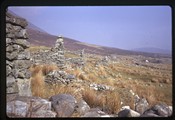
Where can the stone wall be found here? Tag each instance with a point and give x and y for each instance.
(17, 57)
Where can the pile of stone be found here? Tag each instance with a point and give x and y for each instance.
(104, 61)
(17, 57)
(40, 57)
(58, 53)
(76, 62)
(57, 77)
(100, 87)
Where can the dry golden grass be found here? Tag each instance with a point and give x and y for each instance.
(38, 85)
(109, 101)
(92, 77)
(48, 68)
(45, 69)
(144, 82)
(92, 99)
(113, 102)
(36, 48)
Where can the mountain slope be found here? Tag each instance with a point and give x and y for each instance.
(152, 50)
(38, 37)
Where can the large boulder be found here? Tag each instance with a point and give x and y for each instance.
(23, 106)
(63, 104)
(127, 112)
(16, 109)
(162, 110)
(82, 107)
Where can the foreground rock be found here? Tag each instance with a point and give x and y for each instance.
(63, 104)
(159, 110)
(95, 112)
(82, 107)
(127, 112)
(23, 106)
(141, 105)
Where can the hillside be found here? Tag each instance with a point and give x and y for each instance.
(38, 37)
(152, 50)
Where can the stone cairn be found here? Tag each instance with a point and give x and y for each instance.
(58, 53)
(17, 57)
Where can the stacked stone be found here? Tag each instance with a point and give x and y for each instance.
(57, 77)
(58, 53)
(17, 57)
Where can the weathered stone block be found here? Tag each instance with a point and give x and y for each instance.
(24, 86)
(22, 42)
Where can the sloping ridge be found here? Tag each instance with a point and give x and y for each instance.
(38, 37)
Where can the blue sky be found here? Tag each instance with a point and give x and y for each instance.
(125, 27)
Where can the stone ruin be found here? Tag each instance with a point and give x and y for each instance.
(77, 62)
(17, 57)
(58, 55)
(53, 56)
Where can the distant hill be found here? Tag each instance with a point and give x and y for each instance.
(152, 50)
(30, 25)
(38, 37)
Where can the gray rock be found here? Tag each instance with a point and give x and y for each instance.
(149, 115)
(36, 107)
(8, 70)
(21, 34)
(11, 56)
(63, 104)
(91, 114)
(11, 85)
(10, 35)
(22, 42)
(95, 112)
(24, 87)
(43, 114)
(162, 110)
(16, 108)
(21, 75)
(15, 20)
(70, 76)
(82, 107)
(127, 112)
(22, 64)
(9, 48)
(17, 48)
(124, 113)
(8, 41)
(141, 106)
(24, 55)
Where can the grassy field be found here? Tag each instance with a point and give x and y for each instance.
(152, 81)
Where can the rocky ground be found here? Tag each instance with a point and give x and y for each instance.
(96, 86)
(55, 82)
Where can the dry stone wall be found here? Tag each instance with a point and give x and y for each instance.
(53, 56)
(17, 57)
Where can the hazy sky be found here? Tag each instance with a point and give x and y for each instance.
(125, 27)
